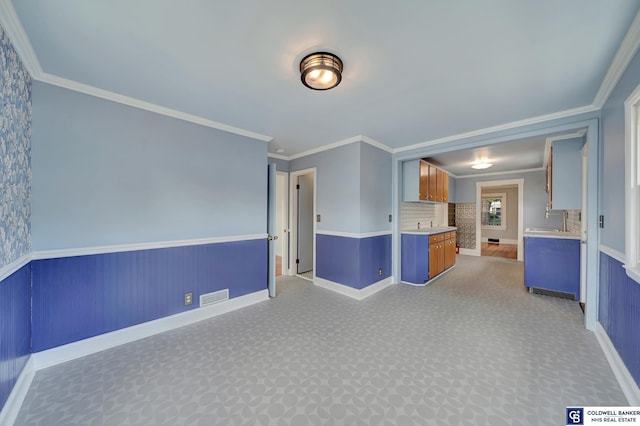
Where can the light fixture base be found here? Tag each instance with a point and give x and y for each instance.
(321, 71)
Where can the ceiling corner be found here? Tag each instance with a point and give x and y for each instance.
(621, 60)
(19, 38)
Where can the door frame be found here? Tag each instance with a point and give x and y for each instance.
(479, 185)
(284, 230)
(293, 217)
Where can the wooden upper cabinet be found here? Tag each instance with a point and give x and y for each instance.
(445, 187)
(433, 183)
(422, 181)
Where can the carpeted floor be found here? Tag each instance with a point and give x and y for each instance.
(472, 348)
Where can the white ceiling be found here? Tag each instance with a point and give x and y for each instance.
(413, 71)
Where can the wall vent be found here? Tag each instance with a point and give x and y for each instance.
(213, 298)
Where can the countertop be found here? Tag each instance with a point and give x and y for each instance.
(550, 233)
(429, 230)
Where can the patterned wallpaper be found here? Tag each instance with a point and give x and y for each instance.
(466, 223)
(15, 154)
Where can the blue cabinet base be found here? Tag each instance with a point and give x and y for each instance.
(552, 266)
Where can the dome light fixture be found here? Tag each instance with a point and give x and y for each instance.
(481, 164)
(321, 71)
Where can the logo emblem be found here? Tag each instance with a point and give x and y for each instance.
(574, 416)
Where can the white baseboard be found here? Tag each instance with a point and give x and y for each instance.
(625, 379)
(115, 338)
(354, 293)
(469, 252)
(13, 404)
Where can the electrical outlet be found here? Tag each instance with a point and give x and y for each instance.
(188, 299)
(390, 217)
(379, 272)
(317, 218)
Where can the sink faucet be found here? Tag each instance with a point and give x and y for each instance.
(565, 216)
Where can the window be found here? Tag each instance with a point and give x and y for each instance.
(632, 185)
(494, 211)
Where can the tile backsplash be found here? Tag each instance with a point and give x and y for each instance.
(425, 213)
(574, 222)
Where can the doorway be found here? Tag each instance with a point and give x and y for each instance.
(303, 202)
(282, 220)
(499, 218)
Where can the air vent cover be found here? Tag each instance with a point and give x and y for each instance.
(213, 298)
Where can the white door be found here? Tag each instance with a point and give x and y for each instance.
(271, 229)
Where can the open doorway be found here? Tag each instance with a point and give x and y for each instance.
(499, 218)
(303, 201)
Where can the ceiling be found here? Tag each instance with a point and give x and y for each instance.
(414, 72)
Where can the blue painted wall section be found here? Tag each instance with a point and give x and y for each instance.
(79, 297)
(415, 258)
(552, 264)
(619, 312)
(353, 262)
(15, 328)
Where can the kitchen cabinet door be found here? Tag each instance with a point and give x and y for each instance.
(450, 252)
(433, 183)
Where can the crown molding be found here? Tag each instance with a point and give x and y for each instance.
(147, 106)
(19, 38)
(510, 172)
(278, 156)
(357, 138)
(501, 127)
(621, 60)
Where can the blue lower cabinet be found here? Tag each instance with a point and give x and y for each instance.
(552, 264)
(415, 258)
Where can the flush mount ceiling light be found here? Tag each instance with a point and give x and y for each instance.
(481, 164)
(321, 71)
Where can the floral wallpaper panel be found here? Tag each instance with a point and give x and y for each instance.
(15, 154)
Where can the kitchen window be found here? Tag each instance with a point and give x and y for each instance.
(494, 211)
(632, 185)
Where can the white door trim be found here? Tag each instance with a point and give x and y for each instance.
(293, 216)
(479, 186)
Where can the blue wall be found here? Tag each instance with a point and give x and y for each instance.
(619, 304)
(353, 262)
(15, 216)
(105, 173)
(79, 297)
(337, 185)
(534, 198)
(619, 312)
(15, 328)
(375, 189)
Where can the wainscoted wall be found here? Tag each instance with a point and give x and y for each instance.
(466, 223)
(15, 216)
(353, 262)
(619, 312)
(15, 328)
(79, 297)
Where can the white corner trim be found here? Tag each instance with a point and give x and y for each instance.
(501, 127)
(115, 338)
(84, 251)
(353, 292)
(7, 270)
(620, 62)
(617, 255)
(353, 234)
(626, 381)
(278, 156)
(376, 144)
(14, 402)
(147, 106)
(357, 138)
(19, 38)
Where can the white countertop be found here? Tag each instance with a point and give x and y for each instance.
(550, 233)
(429, 230)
